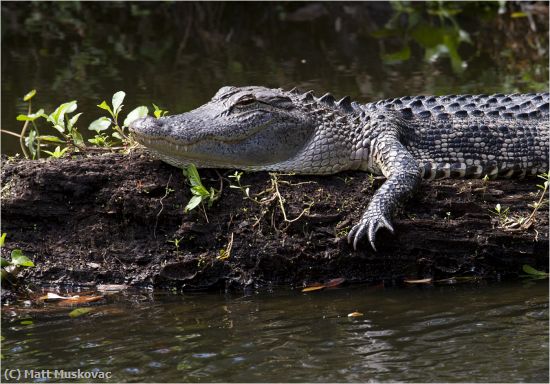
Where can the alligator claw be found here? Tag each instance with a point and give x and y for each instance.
(368, 226)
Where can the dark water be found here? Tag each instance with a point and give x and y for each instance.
(469, 333)
(177, 55)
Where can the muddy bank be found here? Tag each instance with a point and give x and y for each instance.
(115, 219)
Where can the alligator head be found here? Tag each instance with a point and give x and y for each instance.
(252, 128)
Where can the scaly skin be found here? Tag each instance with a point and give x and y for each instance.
(405, 139)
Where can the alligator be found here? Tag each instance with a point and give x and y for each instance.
(404, 139)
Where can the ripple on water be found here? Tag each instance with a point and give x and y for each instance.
(495, 333)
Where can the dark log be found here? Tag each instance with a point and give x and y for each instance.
(116, 218)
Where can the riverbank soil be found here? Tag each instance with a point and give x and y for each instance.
(119, 219)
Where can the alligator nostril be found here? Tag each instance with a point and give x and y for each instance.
(143, 124)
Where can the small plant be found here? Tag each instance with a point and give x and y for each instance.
(32, 142)
(103, 123)
(199, 191)
(159, 112)
(59, 120)
(58, 152)
(245, 189)
(66, 125)
(10, 268)
(176, 243)
(501, 213)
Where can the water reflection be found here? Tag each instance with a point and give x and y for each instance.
(469, 333)
(178, 54)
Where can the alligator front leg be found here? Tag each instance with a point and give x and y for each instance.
(403, 176)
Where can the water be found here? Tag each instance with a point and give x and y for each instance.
(74, 51)
(468, 333)
(87, 51)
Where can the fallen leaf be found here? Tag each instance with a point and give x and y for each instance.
(79, 312)
(50, 297)
(82, 299)
(54, 297)
(334, 282)
(355, 314)
(313, 287)
(421, 281)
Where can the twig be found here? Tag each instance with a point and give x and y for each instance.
(281, 205)
(10, 133)
(22, 135)
(531, 217)
(166, 193)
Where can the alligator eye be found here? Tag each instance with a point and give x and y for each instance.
(245, 102)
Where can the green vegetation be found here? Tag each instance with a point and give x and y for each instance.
(534, 273)
(502, 213)
(176, 243)
(438, 30)
(11, 268)
(245, 189)
(441, 37)
(103, 123)
(518, 222)
(68, 138)
(201, 195)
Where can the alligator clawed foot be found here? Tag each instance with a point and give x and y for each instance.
(368, 226)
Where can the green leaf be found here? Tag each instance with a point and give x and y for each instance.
(158, 112)
(58, 153)
(106, 107)
(30, 142)
(384, 32)
(51, 139)
(3, 239)
(532, 271)
(193, 202)
(4, 262)
(27, 322)
(428, 36)
(73, 120)
(100, 124)
(17, 258)
(79, 312)
(58, 116)
(117, 135)
(29, 95)
(200, 190)
(193, 175)
(118, 98)
(97, 140)
(137, 113)
(397, 57)
(31, 116)
(77, 137)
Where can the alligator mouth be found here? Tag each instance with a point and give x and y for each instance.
(209, 150)
(263, 144)
(148, 131)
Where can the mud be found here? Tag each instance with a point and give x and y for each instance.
(118, 219)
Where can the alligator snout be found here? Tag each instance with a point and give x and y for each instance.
(145, 126)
